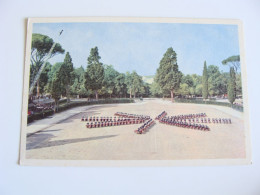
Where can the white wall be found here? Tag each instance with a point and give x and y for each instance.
(14, 179)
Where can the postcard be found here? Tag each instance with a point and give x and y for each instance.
(126, 91)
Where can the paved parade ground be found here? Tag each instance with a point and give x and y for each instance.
(65, 136)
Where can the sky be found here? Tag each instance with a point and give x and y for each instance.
(140, 46)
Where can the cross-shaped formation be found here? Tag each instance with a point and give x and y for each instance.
(190, 121)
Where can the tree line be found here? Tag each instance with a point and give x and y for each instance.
(169, 81)
(98, 79)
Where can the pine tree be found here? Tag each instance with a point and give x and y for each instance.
(95, 72)
(232, 86)
(68, 74)
(205, 90)
(57, 87)
(168, 75)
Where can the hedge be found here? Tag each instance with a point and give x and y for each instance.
(193, 101)
(63, 107)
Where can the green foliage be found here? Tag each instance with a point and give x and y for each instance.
(68, 74)
(110, 75)
(233, 61)
(194, 101)
(137, 84)
(198, 90)
(147, 90)
(217, 81)
(73, 104)
(41, 44)
(232, 86)
(57, 87)
(184, 89)
(156, 91)
(238, 84)
(121, 88)
(188, 80)
(205, 90)
(95, 72)
(78, 87)
(168, 75)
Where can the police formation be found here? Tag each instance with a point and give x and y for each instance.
(191, 121)
(96, 122)
(177, 123)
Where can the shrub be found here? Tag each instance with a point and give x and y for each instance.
(194, 101)
(72, 104)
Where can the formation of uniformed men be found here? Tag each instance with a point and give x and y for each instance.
(160, 116)
(127, 115)
(186, 121)
(104, 122)
(184, 124)
(223, 120)
(148, 124)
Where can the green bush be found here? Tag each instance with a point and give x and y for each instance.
(62, 101)
(194, 101)
(72, 104)
(93, 102)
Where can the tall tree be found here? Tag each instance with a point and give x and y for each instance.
(129, 83)
(110, 75)
(41, 45)
(120, 85)
(95, 72)
(43, 80)
(68, 74)
(238, 84)
(232, 86)
(168, 75)
(232, 61)
(78, 87)
(137, 84)
(57, 87)
(205, 82)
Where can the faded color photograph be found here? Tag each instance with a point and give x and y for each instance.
(135, 91)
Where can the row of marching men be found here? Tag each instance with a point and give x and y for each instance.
(114, 123)
(202, 120)
(147, 125)
(107, 119)
(127, 115)
(160, 116)
(185, 124)
(189, 116)
(101, 119)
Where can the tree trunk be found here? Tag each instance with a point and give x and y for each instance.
(172, 96)
(38, 88)
(68, 93)
(110, 96)
(130, 93)
(96, 95)
(55, 106)
(134, 94)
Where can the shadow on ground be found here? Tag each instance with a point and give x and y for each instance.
(42, 140)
